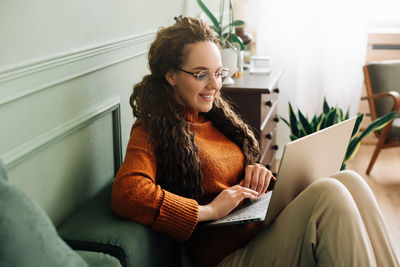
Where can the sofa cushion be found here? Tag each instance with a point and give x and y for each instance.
(98, 259)
(27, 236)
(94, 227)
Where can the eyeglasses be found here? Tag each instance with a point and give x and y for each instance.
(204, 77)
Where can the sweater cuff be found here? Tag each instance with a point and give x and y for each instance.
(178, 216)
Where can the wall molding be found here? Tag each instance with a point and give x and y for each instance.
(18, 154)
(29, 77)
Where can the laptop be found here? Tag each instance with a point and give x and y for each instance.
(304, 161)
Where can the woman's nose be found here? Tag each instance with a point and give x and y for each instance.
(214, 83)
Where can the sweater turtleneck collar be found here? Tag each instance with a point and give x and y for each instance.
(190, 114)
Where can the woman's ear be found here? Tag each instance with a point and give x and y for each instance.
(170, 77)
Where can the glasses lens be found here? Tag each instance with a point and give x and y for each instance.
(205, 76)
(224, 73)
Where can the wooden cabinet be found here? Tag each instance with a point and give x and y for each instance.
(254, 96)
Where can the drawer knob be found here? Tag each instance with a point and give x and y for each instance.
(276, 90)
(275, 147)
(268, 166)
(268, 136)
(276, 119)
(268, 103)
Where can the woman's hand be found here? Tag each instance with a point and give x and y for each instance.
(225, 202)
(257, 177)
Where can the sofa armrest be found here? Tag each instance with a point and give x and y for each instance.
(94, 227)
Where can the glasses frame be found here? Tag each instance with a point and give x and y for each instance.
(197, 75)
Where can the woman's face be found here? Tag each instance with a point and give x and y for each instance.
(189, 91)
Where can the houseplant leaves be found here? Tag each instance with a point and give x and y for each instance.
(300, 125)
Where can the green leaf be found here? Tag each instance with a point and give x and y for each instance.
(337, 119)
(284, 120)
(330, 117)
(293, 121)
(236, 23)
(210, 15)
(340, 115)
(319, 118)
(347, 114)
(292, 137)
(326, 107)
(321, 123)
(233, 38)
(343, 167)
(377, 124)
(304, 124)
(352, 149)
(314, 123)
(357, 125)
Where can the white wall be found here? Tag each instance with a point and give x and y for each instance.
(66, 67)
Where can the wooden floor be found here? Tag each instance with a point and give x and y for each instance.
(384, 181)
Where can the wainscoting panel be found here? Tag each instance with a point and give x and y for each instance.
(61, 121)
(29, 77)
(19, 153)
(65, 166)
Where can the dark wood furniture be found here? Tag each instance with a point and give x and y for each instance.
(254, 96)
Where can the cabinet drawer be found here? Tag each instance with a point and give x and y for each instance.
(268, 133)
(268, 103)
(268, 155)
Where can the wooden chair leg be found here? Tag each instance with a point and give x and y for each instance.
(379, 146)
(378, 149)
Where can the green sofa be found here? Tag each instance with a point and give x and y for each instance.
(92, 236)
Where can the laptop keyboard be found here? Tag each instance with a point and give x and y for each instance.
(258, 209)
(244, 214)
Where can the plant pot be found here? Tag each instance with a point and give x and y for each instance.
(229, 60)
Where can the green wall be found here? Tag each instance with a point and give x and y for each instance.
(66, 73)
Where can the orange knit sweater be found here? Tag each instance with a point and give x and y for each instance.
(137, 196)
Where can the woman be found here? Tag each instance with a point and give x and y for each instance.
(191, 159)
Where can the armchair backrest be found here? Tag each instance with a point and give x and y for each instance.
(3, 173)
(384, 77)
(28, 237)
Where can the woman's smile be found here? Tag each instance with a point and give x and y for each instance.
(208, 97)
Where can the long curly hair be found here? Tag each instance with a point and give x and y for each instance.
(153, 103)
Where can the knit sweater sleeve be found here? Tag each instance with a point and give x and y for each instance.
(136, 196)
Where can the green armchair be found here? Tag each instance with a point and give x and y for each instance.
(93, 236)
(382, 81)
(29, 238)
(94, 227)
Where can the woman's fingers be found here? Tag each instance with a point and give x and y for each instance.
(238, 190)
(247, 193)
(248, 173)
(262, 180)
(229, 199)
(267, 181)
(257, 178)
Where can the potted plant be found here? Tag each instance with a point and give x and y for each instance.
(301, 126)
(229, 42)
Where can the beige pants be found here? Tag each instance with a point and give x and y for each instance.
(333, 222)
